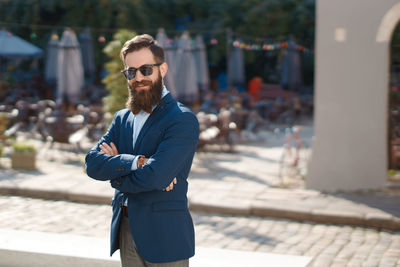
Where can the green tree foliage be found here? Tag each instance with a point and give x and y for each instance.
(273, 20)
(114, 81)
(256, 18)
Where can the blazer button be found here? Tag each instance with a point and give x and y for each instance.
(117, 182)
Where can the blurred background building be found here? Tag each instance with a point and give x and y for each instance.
(356, 98)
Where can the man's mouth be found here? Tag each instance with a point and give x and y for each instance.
(142, 86)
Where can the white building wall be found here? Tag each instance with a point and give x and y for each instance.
(351, 95)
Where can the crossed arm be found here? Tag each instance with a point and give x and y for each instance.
(112, 150)
(171, 158)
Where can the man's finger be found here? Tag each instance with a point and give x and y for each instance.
(175, 181)
(105, 145)
(170, 187)
(107, 149)
(114, 148)
(104, 149)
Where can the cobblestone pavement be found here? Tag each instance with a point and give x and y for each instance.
(329, 245)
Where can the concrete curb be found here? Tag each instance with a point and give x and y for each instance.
(317, 216)
(21, 248)
(55, 195)
(371, 220)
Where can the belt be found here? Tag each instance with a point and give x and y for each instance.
(125, 210)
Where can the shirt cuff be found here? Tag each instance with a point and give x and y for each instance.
(134, 163)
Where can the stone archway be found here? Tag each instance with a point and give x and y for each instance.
(394, 105)
(389, 33)
(388, 24)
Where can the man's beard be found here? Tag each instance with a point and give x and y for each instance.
(144, 99)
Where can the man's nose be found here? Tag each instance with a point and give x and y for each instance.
(139, 76)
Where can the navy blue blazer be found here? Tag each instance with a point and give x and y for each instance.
(160, 221)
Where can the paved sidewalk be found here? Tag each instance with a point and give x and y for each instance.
(327, 245)
(241, 183)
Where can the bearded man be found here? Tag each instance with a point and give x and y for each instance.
(146, 155)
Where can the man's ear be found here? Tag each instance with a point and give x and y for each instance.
(163, 69)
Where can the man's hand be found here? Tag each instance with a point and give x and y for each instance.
(171, 185)
(109, 150)
(112, 150)
(141, 161)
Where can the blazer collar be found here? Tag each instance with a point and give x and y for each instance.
(157, 112)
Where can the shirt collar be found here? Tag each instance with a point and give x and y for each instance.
(164, 91)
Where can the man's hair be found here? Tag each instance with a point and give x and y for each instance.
(143, 41)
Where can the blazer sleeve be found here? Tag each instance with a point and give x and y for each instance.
(103, 167)
(176, 149)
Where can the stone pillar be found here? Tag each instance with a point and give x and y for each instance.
(351, 95)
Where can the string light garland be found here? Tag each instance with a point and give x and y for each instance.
(255, 44)
(269, 47)
(214, 41)
(101, 39)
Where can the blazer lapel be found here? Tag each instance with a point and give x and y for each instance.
(157, 112)
(129, 137)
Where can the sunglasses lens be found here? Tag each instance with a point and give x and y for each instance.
(146, 70)
(130, 74)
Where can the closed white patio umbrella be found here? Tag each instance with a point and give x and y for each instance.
(200, 54)
(70, 75)
(186, 76)
(162, 40)
(291, 78)
(87, 55)
(51, 63)
(236, 72)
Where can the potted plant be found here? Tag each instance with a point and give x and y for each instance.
(393, 175)
(23, 156)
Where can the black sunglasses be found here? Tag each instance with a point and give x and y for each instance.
(146, 70)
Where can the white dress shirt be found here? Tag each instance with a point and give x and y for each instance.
(138, 121)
